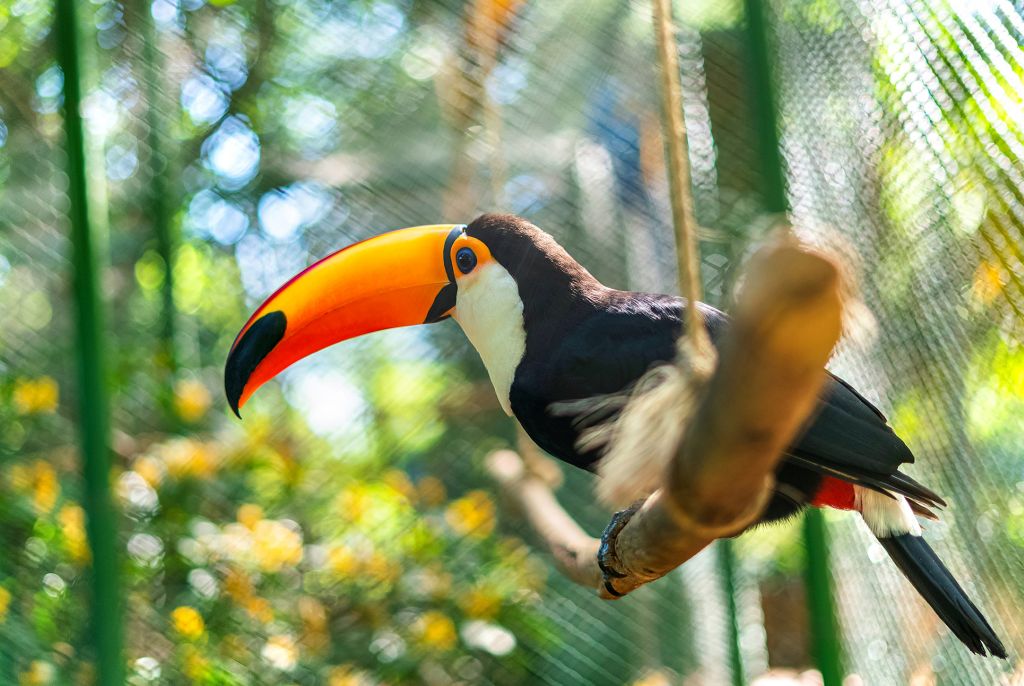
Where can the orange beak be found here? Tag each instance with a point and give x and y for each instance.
(396, 279)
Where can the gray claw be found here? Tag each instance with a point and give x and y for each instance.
(607, 558)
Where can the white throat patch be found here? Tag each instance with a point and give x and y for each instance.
(490, 312)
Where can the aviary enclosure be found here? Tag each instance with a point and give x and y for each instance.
(166, 165)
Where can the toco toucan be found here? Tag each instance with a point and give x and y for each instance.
(549, 332)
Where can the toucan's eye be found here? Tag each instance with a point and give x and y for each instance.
(465, 258)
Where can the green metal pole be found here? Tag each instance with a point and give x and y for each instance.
(94, 421)
(158, 204)
(825, 637)
(727, 570)
(765, 113)
(818, 578)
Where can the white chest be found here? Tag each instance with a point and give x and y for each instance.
(490, 312)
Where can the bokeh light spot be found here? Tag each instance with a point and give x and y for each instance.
(232, 152)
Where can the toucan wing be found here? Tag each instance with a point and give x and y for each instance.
(849, 438)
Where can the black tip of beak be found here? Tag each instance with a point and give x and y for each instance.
(265, 333)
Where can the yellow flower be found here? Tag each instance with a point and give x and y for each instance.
(249, 515)
(45, 487)
(314, 623)
(435, 630)
(185, 458)
(275, 545)
(149, 469)
(989, 281)
(354, 501)
(313, 613)
(399, 482)
(431, 491)
(39, 673)
(191, 400)
(259, 609)
(347, 675)
(188, 622)
(5, 602)
(36, 396)
(72, 525)
(471, 515)
(382, 569)
(237, 585)
(342, 561)
(480, 603)
(281, 652)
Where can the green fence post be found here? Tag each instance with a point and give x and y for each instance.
(727, 569)
(818, 579)
(94, 420)
(158, 203)
(766, 123)
(825, 638)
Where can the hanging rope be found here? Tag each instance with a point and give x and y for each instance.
(648, 422)
(683, 221)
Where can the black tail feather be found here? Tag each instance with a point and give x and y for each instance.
(936, 584)
(896, 482)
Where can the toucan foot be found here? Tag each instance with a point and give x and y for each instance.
(607, 559)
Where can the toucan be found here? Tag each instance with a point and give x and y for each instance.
(548, 332)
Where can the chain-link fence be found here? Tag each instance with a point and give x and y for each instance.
(345, 532)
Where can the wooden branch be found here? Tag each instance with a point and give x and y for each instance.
(765, 386)
(573, 550)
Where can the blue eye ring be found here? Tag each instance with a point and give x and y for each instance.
(465, 260)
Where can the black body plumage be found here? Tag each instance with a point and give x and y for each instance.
(584, 340)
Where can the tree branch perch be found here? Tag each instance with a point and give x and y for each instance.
(764, 388)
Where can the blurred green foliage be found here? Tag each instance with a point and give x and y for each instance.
(260, 552)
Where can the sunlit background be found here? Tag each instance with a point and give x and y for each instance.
(345, 532)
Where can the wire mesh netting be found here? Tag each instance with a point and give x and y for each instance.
(911, 158)
(345, 532)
